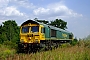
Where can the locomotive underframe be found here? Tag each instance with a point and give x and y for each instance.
(44, 44)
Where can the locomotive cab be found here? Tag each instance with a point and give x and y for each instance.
(31, 32)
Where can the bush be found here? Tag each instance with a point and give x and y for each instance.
(87, 43)
(6, 52)
(74, 42)
(10, 44)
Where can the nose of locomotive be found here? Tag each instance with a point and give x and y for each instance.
(29, 35)
(33, 38)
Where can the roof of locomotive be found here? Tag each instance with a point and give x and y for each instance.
(45, 25)
(55, 28)
(29, 21)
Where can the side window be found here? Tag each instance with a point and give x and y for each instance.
(42, 30)
(70, 36)
(53, 33)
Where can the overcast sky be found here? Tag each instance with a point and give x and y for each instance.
(75, 12)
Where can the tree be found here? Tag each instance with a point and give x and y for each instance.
(10, 31)
(2, 35)
(59, 23)
(74, 42)
(0, 29)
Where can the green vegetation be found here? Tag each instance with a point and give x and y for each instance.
(74, 42)
(9, 37)
(9, 31)
(78, 52)
(6, 51)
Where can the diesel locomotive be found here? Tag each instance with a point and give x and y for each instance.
(35, 35)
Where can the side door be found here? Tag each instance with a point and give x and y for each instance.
(42, 33)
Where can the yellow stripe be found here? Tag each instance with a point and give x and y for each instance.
(56, 39)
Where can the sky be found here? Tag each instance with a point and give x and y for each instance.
(75, 12)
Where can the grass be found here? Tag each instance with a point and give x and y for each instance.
(70, 53)
(6, 51)
(81, 51)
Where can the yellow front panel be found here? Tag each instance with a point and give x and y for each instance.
(32, 37)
